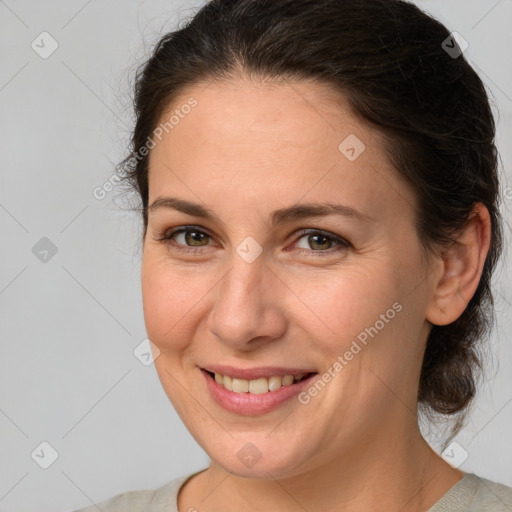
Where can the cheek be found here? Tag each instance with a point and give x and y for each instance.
(365, 328)
(377, 345)
(340, 305)
(169, 299)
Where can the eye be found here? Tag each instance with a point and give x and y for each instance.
(191, 239)
(186, 238)
(321, 242)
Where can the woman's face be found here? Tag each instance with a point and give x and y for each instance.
(246, 288)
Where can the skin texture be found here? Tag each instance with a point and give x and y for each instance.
(246, 149)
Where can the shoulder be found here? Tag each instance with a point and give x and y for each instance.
(491, 496)
(147, 500)
(126, 501)
(475, 494)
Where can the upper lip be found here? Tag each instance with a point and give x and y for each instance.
(255, 373)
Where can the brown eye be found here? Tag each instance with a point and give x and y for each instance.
(320, 242)
(186, 237)
(195, 238)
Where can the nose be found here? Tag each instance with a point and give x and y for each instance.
(248, 307)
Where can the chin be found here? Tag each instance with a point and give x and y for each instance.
(259, 458)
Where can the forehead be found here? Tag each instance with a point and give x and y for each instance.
(271, 143)
(244, 111)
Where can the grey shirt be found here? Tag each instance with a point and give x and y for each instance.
(470, 494)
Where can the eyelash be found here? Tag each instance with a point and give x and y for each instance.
(342, 243)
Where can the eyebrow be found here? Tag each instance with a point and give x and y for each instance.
(288, 214)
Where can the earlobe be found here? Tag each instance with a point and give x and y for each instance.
(463, 263)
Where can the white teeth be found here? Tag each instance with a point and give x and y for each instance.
(227, 382)
(287, 380)
(274, 383)
(240, 385)
(256, 386)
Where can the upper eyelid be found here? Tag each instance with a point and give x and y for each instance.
(184, 229)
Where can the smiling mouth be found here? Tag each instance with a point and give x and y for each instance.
(257, 386)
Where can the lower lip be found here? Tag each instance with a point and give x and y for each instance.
(250, 404)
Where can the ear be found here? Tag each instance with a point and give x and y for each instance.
(461, 268)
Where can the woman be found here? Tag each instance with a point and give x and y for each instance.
(320, 204)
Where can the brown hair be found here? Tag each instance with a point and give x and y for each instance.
(390, 61)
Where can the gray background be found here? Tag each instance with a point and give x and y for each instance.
(69, 325)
